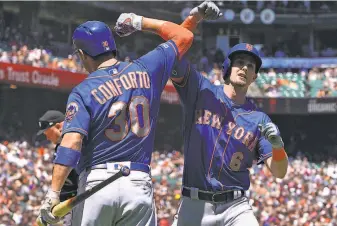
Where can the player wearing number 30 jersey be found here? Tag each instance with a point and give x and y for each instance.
(110, 121)
(116, 109)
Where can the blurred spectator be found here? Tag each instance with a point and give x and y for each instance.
(215, 75)
(204, 62)
(280, 53)
(4, 57)
(271, 90)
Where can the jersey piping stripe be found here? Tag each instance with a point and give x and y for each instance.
(210, 165)
(174, 48)
(102, 76)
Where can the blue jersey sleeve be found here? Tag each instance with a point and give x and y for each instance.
(264, 148)
(77, 118)
(189, 89)
(160, 61)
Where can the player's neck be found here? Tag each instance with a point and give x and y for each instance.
(236, 94)
(106, 63)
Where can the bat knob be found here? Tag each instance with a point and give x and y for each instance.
(40, 221)
(125, 171)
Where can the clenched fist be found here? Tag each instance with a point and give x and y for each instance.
(272, 134)
(46, 217)
(127, 23)
(207, 10)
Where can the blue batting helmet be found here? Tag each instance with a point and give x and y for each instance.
(241, 48)
(94, 38)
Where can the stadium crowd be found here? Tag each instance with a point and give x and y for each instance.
(316, 82)
(20, 47)
(307, 196)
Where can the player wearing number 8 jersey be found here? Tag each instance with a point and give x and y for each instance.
(113, 112)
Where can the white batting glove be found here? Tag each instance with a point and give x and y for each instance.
(52, 199)
(272, 134)
(207, 10)
(127, 23)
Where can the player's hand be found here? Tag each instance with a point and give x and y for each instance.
(127, 23)
(272, 134)
(45, 215)
(207, 10)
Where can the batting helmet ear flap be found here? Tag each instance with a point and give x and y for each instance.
(226, 67)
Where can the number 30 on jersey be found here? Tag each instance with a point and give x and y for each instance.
(120, 109)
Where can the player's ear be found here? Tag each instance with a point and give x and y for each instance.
(255, 77)
(82, 54)
(58, 125)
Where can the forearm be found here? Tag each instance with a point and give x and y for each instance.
(152, 25)
(60, 174)
(191, 22)
(70, 146)
(278, 163)
(182, 37)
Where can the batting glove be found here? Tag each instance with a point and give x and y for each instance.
(272, 134)
(207, 10)
(52, 199)
(127, 23)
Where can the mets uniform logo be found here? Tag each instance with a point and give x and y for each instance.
(105, 45)
(72, 109)
(249, 47)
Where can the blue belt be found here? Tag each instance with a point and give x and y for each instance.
(134, 166)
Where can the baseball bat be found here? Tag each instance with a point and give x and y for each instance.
(61, 209)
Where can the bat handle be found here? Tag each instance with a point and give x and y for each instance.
(61, 209)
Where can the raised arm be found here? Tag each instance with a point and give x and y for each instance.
(205, 11)
(128, 23)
